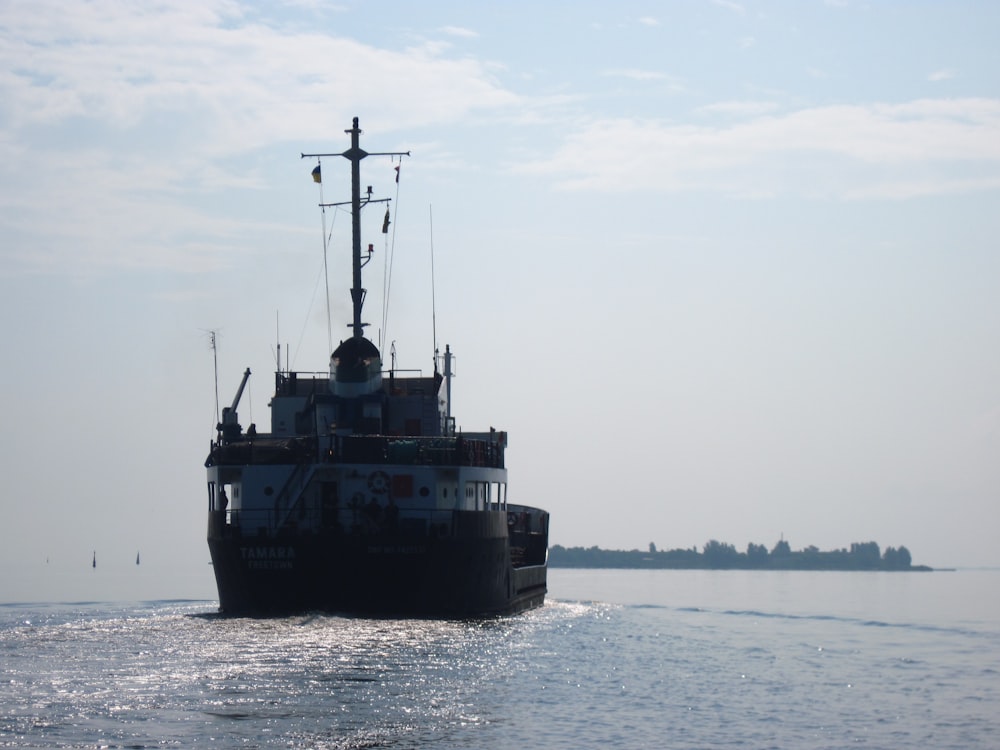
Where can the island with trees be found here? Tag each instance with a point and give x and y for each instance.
(717, 555)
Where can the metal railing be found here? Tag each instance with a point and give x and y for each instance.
(370, 449)
(361, 520)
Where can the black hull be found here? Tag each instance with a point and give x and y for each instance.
(467, 574)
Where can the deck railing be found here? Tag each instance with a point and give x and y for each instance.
(371, 449)
(361, 520)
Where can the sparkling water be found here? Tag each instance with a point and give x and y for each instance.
(631, 659)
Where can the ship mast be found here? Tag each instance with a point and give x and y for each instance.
(355, 154)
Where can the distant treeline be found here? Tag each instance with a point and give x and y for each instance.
(718, 556)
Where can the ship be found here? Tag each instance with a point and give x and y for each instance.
(364, 498)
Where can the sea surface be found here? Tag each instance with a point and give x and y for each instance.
(623, 659)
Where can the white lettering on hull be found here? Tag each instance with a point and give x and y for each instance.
(268, 558)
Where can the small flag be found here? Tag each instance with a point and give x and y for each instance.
(397, 173)
(317, 177)
(385, 223)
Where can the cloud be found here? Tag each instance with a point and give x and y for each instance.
(730, 5)
(460, 32)
(245, 83)
(738, 108)
(845, 150)
(636, 74)
(941, 75)
(917, 188)
(128, 121)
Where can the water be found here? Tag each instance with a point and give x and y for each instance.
(658, 659)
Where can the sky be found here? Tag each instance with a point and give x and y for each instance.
(723, 270)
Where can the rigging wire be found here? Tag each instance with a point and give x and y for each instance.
(387, 268)
(289, 360)
(326, 273)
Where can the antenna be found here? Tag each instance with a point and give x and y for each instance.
(434, 332)
(215, 360)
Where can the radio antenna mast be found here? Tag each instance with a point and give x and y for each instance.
(434, 331)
